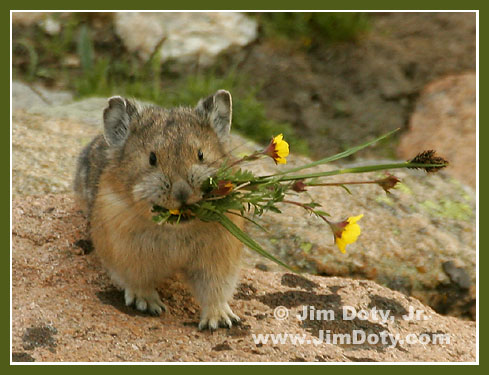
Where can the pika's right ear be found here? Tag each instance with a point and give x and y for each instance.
(218, 108)
(117, 117)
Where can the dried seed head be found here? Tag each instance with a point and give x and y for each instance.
(389, 182)
(299, 186)
(429, 157)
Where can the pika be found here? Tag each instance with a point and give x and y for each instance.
(150, 156)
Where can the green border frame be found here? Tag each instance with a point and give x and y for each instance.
(217, 5)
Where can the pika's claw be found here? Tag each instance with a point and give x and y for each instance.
(234, 318)
(129, 297)
(214, 318)
(149, 301)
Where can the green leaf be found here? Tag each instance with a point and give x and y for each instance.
(274, 209)
(312, 204)
(251, 221)
(85, 49)
(33, 58)
(248, 241)
(347, 190)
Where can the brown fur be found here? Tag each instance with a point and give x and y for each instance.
(118, 186)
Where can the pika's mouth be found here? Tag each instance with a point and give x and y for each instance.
(163, 215)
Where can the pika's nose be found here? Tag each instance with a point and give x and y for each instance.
(181, 191)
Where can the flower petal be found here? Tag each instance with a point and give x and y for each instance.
(347, 232)
(278, 138)
(354, 219)
(340, 242)
(351, 233)
(280, 160)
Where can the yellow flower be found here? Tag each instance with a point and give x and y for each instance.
(175, 212)
(278, 149)
(347, 232)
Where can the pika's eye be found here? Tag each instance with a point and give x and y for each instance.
(201, 155)
(152, 158)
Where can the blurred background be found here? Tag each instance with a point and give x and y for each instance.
(328, 81)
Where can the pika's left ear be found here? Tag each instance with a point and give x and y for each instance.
(218, 109)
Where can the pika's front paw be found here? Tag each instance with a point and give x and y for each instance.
(145, 301)
(215, 317)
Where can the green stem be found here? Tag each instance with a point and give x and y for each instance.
(344, 183)
(253, 156)
(368, 168)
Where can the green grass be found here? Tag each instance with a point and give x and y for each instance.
(314, 28)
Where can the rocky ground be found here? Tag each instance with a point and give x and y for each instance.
(409, 237)
(420, 240)
(65, 309)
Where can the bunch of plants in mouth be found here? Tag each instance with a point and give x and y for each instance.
(236, 191)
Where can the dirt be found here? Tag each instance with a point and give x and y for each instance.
(35, 337)
(338, 95)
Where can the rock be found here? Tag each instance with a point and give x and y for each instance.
(58, 105)
(185, 37)
(89, 111)
(31, 96)
(44, 152)
(51, 26)
(445, 120)
(407, 236)
(457, 275)
(64, 308)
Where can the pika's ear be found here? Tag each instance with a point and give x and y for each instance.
(117, 117)
(218, 109)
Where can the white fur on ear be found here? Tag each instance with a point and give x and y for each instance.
(218, 109)
(116, 121)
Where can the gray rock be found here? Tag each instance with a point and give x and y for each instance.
(26, 96)
(186, 37)
(58, 105)
(51, 26)
(457, 274)
(88, 111)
